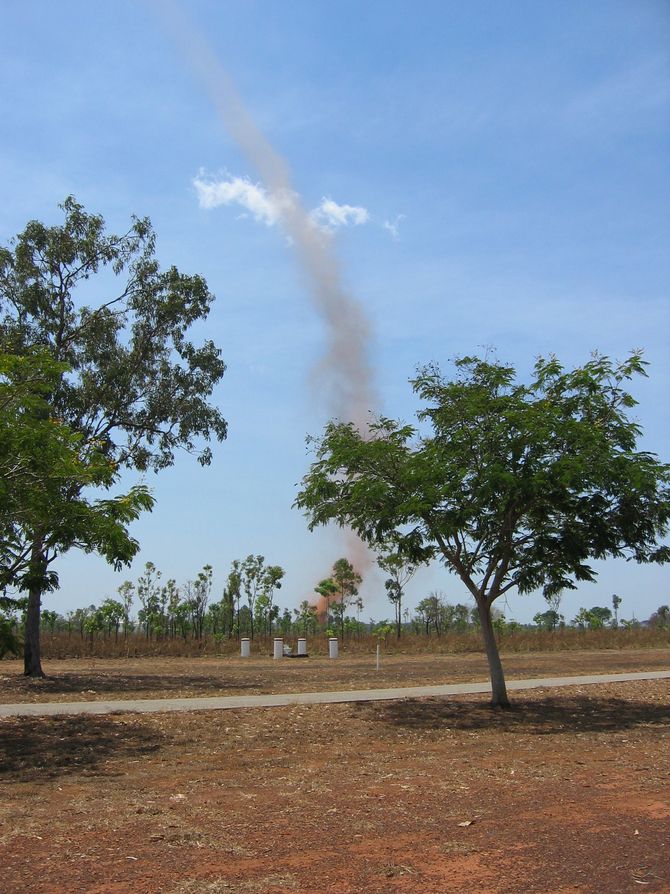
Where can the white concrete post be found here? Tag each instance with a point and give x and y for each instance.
(278, 647)
(333, 649)
(245, 647)
(302, 645)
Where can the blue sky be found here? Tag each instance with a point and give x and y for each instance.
(507, 169)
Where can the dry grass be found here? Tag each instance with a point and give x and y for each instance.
(60, 646)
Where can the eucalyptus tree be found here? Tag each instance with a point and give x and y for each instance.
(47, 473)
(511, 485)
(547, 620)
(346, 579)
(306, 617)
(272, 580)
(228, 611)
(234, 592)
(199, 591)
(112, 613)
(50, 619)
(326, 589)
(9, 641)
(126, 593)
(400, 571)
(133, 385)
(256, 579)
(433, 613)
(149, 595)
(661, 617)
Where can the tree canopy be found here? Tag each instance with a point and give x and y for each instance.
(510, 484)
(45, 468)
(126, 385)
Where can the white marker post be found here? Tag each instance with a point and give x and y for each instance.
(245, 647)
(302, 645)
(278, 647)
(333, 648)
(378, 650)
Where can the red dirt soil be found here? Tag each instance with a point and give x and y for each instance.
(107, 679)
(568, 792)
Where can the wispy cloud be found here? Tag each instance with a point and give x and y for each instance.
(252, 197)
(330, 216)
(273, 208)
(393, 226)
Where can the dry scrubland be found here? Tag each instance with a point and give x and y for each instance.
(62, 645)
(569, 792)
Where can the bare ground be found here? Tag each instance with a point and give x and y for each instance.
(100, 680)
(569, 792)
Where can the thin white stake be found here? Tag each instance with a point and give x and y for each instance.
(378, 650)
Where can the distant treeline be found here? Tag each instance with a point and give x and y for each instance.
(184, 620)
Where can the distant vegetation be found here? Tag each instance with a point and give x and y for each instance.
(187, 619)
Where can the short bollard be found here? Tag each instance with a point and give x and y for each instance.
(278, 647)
(302, 645)
(245, 647)
(333, 650)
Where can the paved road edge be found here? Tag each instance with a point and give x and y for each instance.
(222, 703)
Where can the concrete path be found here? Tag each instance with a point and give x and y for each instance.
(218, 703)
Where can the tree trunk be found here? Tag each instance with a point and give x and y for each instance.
(499, 697)
(32, 665)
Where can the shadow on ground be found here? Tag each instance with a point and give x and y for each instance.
(543, 716)
(43, 748)
(136, 683)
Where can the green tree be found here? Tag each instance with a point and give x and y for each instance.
(517, 487)
(252, 570)
(256, 579)
(285, 623)
(132, 386)
(547, 620)
(149, 595)
(234, 590)
(400, 572)
(326, 589)
(112, 613)
(274, 574)
(433, 613)
(197, 594)
(46, 472)
(306, 617)
(265, 614)
(9, 641)
(598, 616)
(50, 619)
(661, 617)
(346, 579)
(460, 618)
(127, 592)
(228, 611)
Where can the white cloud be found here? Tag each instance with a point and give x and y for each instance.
(253, 197)
(269, 209)
(393, 226)
(329, 215)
